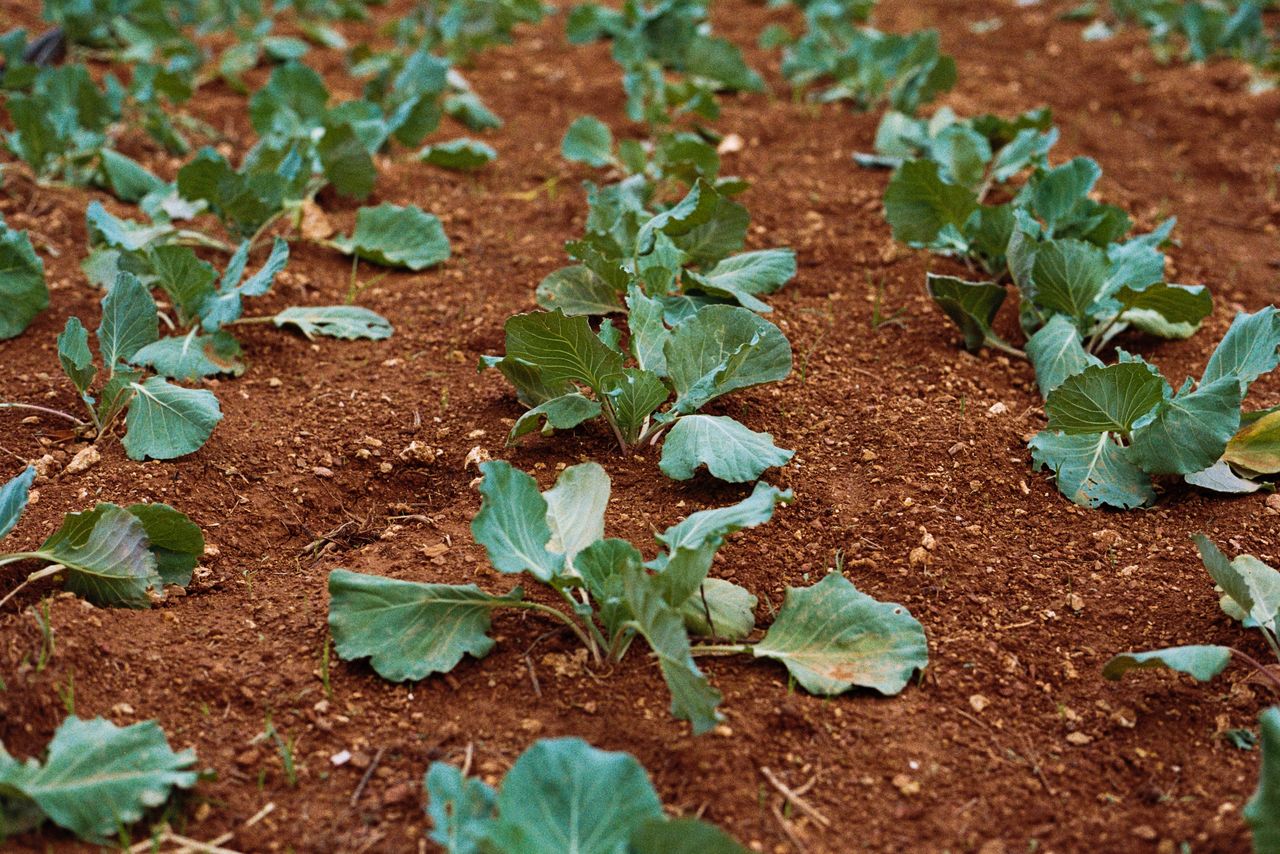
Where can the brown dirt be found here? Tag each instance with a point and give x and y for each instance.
(1023, 598)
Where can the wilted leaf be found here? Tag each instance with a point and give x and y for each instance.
(347, 322)
(463, 155)
(971, 305)
(397, 237)
(575, 508)
(721, 609)
(192, 356)
(559, 413)
(1251, 588)
(106, 555)
(1201, 662)
(1257, 446)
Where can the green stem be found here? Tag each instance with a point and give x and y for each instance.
(996, 344)
(46, 411)
(35, 576)
(1271, 641)
(195, 238)
(586, 639)
(262, 229)
(721, 649)
(241, 321)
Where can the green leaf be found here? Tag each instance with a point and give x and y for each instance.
(463, 155)
(577, 290)
(1257, 446)
(722, 349)
(129, 321)
(460, 808)
(167, 421)
(649, 333)
(75, 356)
(1057, 352)
(603, 565)
(1092, 469)
(23, 294)
(187, 280)
(1250, 588)
(1068, 276)
(720, 609)
(13, 499)
(696, 208)
(346, 161)
(192, 356)
(106, 555)
(683, 836)
(409, 630)
(729, 450)
(832, 637)
(99, 778)
(1058, 193)
(116, 394)
(1220, 478)
(692, 544)
(1167, 311)
(397, 237)
(971, 305)
(1263, 810)
(1098, 399)
(588, 141)
(563, 795)
(559, 413)
(564, 349)
(918, 203)
(575, 509)
(744, 276)
(1248, 350)
(1188, 432)
(692, 697)
(348, 322)
(128, 180)
(1201, 662)
(721, 235)
(225, 305)
(512, 523)
(175, 541)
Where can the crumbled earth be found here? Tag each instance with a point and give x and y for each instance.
(911, 473)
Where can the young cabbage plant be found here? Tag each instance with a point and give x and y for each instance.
(112, 556)
(611, 596)
(569, 374)
(23, 293)
(1196, 30)
(96, 780)
(460, 29)
(563, 795)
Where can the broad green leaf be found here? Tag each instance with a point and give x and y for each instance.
(683, 836)
(293, 103)
(1111, 398)
(192, 356)
(1058, 193)
(175, 541)
(107, 230)
(575, 509)
(695, 209)
(243, 201)
(577, 290)
(963, 154)
(603, 565)
(128, 180)
(720, 236)
(832, 637)
(167, 421)
(99, 778)
(1167, 311)
(722, 349)
(409, 630)
(1251, 588)
(562, 348)
(1248, 350)
(348, 322)
(720, 609)
(116, 394)
(106, 555)
(649, 333)
(129, 321)
(1189, 431)
(23, 293)
(1068, 276)
(13, 499)
(512, 523)
(468, 109)
(346, 161)
(460, 808)
(75, 356)
(634, 395)
(1201, 662)
(744, 276)
(188, 281)
(1220, 478)
(1057, 352)
(971, 305)
(559, 413)
(588, 141)
(1092, 469)
(225, 304)
(918, 203)
(462, 155)
(729, 450)
(1257, 446)
(692, 697)
(397, 237)
(1262, 813)
(563, 795)
(691, 545)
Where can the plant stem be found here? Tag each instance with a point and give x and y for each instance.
(35, 576)
(267, 318)
(721, 649)
(195, 238)
(997, 344)
(1271, 641)
(586, 639)
(46, 411)
(1257, 665)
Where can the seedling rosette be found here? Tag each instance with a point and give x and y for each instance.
(611, 595)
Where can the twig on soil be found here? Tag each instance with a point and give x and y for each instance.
(186, 845)
(788, 829)
(368, 772)
(261, 814)
(467, 757)
(794, 798)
